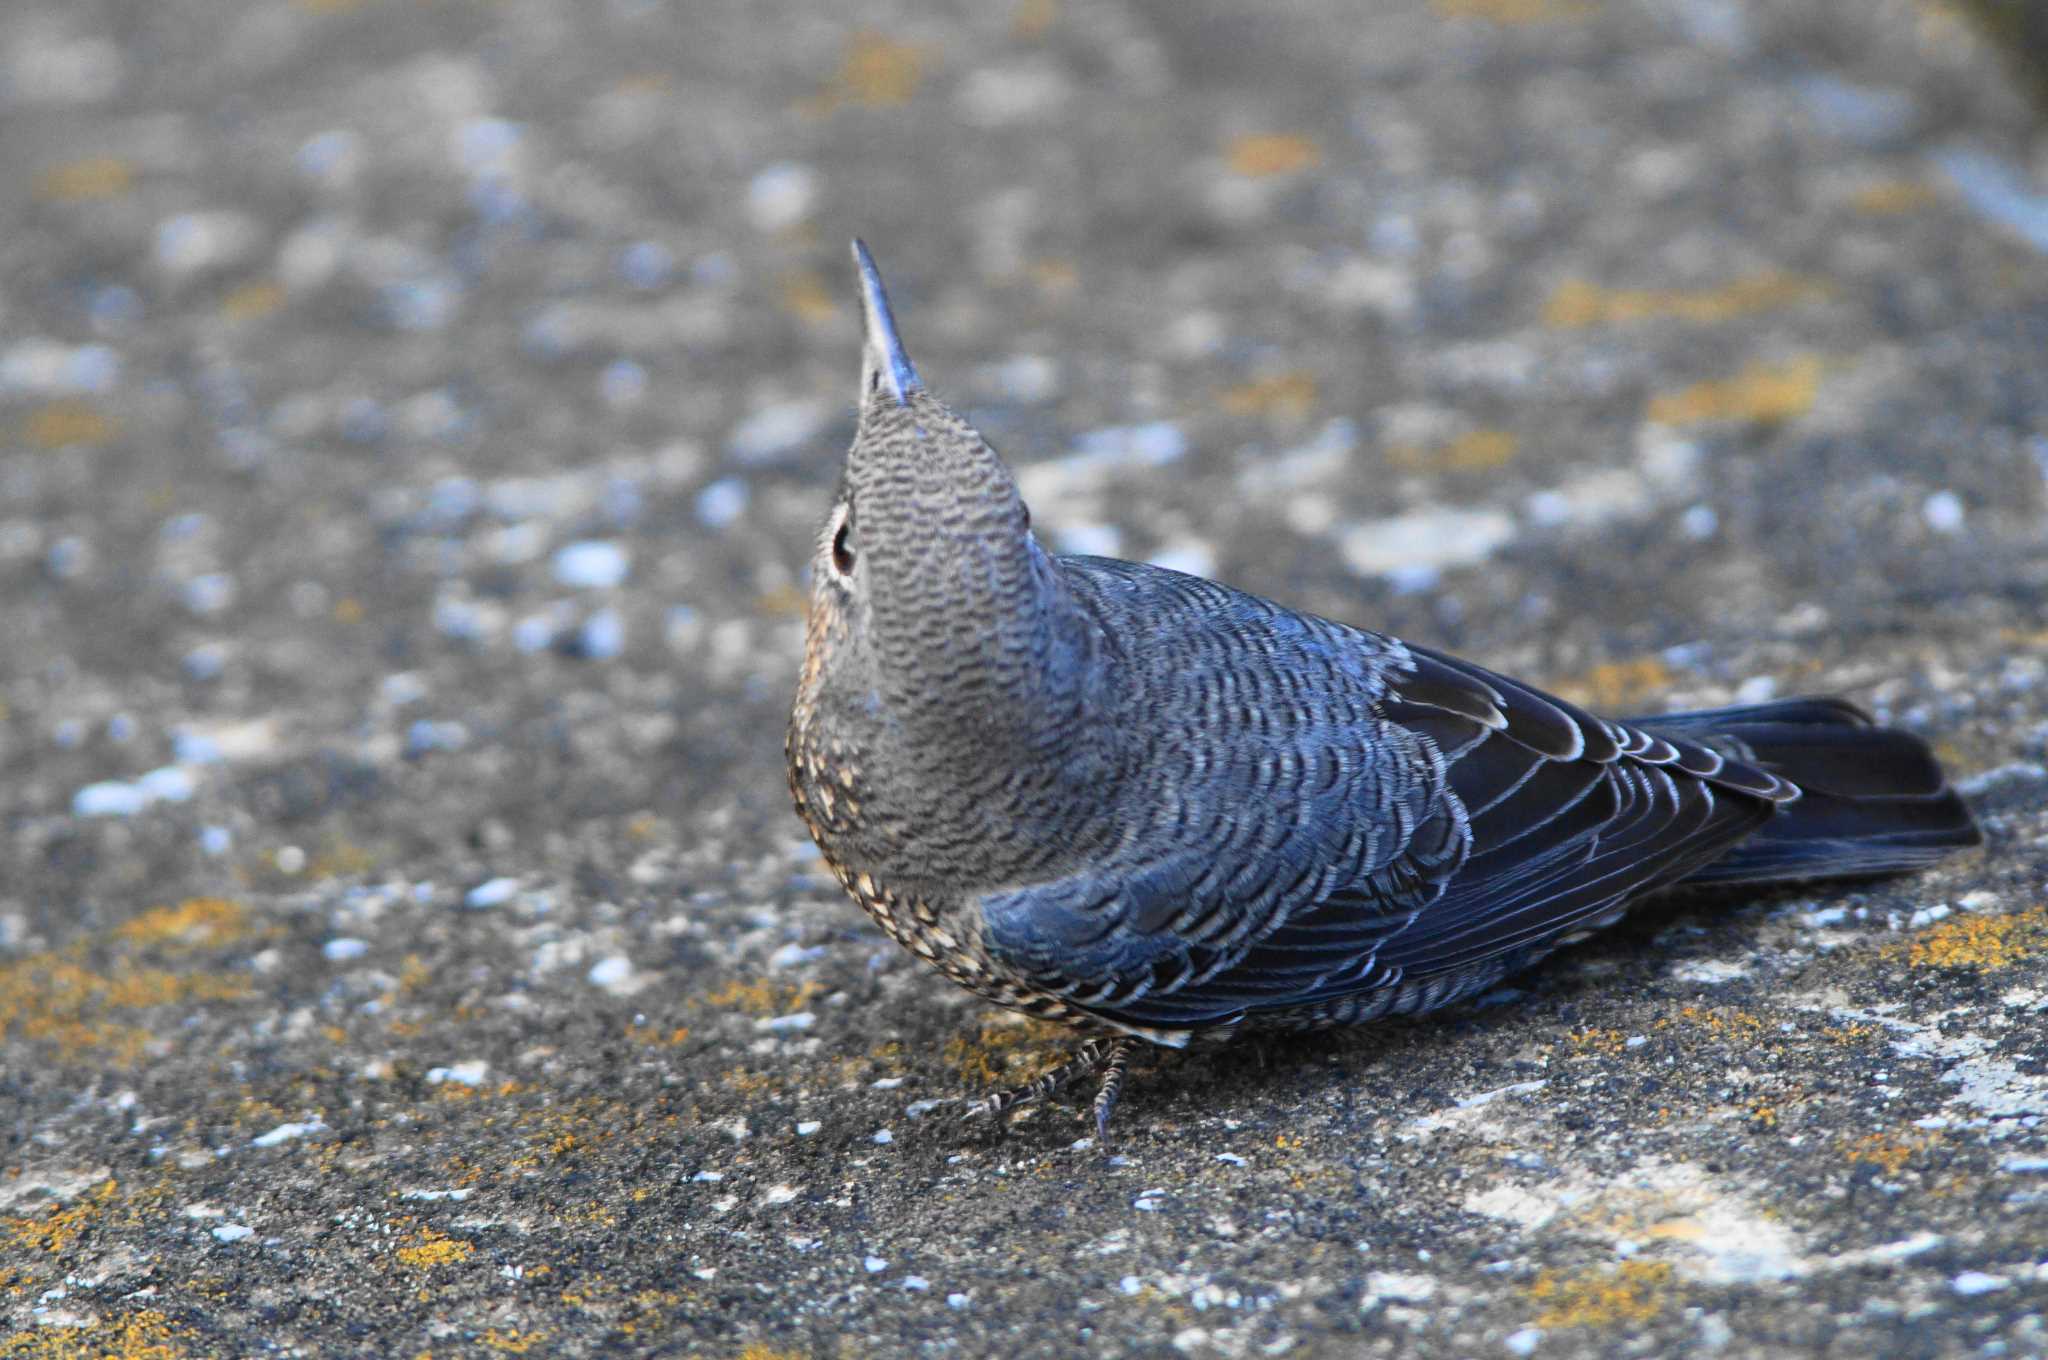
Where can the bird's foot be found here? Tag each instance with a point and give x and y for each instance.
(1109, 1057)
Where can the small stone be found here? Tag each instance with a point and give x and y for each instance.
(957, 1301)
(1523, 1342)
(232, 1232)
(1944, 512)
(494, 893)
(775, 433)
(874, 1265)
(787, 1024)
(1972, 1282)
(782, 195)
(344, 948)
(110, 798)
(808, 1127)
(884, 1137)
(722, 502)
(615, 975)
(285, 1133)
(470, 1073)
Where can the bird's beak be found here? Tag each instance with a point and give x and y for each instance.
(884, 363)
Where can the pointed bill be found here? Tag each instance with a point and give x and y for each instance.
(883, 361)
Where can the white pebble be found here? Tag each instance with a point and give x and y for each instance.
(874, 1265)
(1524, 1342)
(807, 1128)
(957, 1300)
(884, 1137)
(469, 1073)
(1943, 512)
(776, 432)
(111, 798)
(232, 1232)
(285, 1133)
(787, 1024)
(592, 564)
(916, 1282)
(168, 784)
(1977, 1282)
(343, 949)
(782, 195)
(614, 974)
(722, 502)
(495, 893)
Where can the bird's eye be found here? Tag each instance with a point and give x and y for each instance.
(842, 547)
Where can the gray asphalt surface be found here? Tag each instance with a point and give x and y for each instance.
(413, 422)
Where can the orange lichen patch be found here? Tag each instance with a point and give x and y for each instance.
(195, 923)
(56, 1231)
(512, 1341)
(763, 997)
(1892, 197)
(81, 181)
(1262, 155)
(1848, 1034)
(1633, 1293)
(1887, 1152)
(1000, 1045)
(144, 1335)
(1600, 1041)
(760, 1351)
(1291, 396)
(1720, 1021)
(61, 424)
(1613, 685)
(1479, 451)
(1577, 303)
(1033, 17)
(253, 301)
(1986, 942)
(347, 609)
(427, 1249)
(1763, 394)
(876, 71)
(655, 1034)
(1513, 12)
(805, 296)
(49, 1000)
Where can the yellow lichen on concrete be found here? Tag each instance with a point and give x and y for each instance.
(427, 1249)
(253, 301)
(763, 997)
(1887, 1152)
(756, 1350)
(49, 1000)
(55, 1232)
(1634, 1293)
(1891, 197)
(511, 1341)
(1478, 451)
(1761, 394)
(196, 922)
(1577, 303)
(81, 181)
(876, 72)
(805, 297)
(1983, 942)
(1263, 155)
(144, 1335)
(66, 422)
(1002, 1044)
(1514, 13)
(1614, 686)
(1289, 396)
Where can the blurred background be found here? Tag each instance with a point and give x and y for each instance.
(414, 420)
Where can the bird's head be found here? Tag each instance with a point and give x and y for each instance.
(928, 590)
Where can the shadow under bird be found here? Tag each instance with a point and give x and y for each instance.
(1169, 812)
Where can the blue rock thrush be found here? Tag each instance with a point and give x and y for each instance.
(1160, 809)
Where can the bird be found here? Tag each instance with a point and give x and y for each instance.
(1167, 812)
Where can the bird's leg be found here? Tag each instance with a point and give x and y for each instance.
(1119, 1057)
(1090, 1056)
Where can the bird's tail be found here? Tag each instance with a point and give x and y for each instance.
(1873, 800)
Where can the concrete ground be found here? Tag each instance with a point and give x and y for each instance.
(414, 418)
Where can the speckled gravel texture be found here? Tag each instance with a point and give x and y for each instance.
(414, 419)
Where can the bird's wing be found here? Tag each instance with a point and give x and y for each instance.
(1521, 820)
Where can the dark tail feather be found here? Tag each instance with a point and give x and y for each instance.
(1873, 800)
